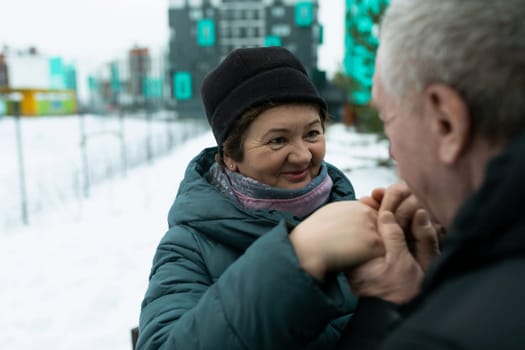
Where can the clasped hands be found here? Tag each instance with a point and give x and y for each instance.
(383, 243)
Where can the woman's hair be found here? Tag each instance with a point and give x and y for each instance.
(476, 47)
(233, 145)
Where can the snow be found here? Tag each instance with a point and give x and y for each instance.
(74, 277)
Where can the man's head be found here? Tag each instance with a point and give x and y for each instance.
(450, 87)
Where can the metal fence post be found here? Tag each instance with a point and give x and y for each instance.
(123, 155)
(149, 137)
(21, 168)
(84, 156)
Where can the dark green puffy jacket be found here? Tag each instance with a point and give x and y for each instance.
(225, 277)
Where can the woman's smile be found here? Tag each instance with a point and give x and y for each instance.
(296, 176)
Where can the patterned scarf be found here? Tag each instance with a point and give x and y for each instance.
(253, 194)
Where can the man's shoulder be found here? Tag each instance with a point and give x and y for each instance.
(481, 309)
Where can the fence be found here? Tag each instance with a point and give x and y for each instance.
(48, 161)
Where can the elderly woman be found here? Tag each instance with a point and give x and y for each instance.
(227, 274)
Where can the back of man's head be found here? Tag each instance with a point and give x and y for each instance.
(476, 47)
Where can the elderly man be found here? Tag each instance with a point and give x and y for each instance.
(450, 89)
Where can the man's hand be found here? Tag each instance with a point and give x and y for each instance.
(397, 198)
(337, 237)
(425, 244)
(411, 243)
(422, 240)
(394, 277)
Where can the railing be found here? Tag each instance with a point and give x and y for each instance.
(50, 160)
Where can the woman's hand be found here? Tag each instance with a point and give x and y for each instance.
(337, 237)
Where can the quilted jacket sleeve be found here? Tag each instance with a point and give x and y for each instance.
(264, 300)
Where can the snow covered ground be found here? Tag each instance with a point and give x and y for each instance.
(75, 276)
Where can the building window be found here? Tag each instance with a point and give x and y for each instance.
(176, 4)
(195, 14)
(182, 85)
(250, 32)
(278, 11)
(195, 3)
(206, 32)
(303, 14)
(271, 40)
(281, 30)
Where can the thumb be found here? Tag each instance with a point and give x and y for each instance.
(426, 241)
(391, 233)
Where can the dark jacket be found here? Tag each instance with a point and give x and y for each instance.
(225, 277)
(474, 295)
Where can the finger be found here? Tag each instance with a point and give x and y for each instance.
(391, 233)
(406, 210)
(375, 198)
(393, 196)
(370, 201)
(442, 232)
(426, 240)
(378, 194)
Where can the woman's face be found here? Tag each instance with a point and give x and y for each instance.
(284, 147)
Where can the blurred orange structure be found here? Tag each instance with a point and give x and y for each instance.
(349, 116)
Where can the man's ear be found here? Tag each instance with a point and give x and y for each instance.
(450, 121)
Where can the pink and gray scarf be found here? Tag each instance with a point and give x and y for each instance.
(253, 194)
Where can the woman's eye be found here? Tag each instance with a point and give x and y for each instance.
(312, 134)
(277, 141)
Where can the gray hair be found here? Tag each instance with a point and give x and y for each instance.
(476, 47)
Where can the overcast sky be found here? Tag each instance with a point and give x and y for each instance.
(89, 33)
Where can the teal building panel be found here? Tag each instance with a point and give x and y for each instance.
(182, 85)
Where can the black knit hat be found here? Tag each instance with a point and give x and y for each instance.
(250, 77)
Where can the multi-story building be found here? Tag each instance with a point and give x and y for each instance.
(139, 61)
(203, 32)
(133, 81)
(361, 42)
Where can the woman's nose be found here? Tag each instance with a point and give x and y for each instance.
(300, 154)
